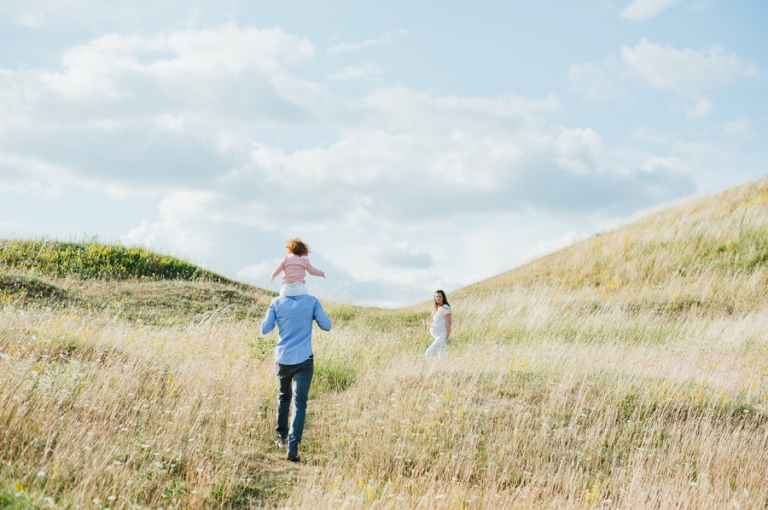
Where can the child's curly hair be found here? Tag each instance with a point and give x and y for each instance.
(296, 246)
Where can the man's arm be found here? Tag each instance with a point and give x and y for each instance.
(268, 324)
(319, 315)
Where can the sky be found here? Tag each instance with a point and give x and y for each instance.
(413, 145)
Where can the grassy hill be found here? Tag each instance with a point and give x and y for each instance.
(130, 283)
(89, 260)
(712, 251)
(627, 371)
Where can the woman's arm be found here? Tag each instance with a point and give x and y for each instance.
(448, 328)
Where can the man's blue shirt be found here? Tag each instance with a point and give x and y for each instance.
(294, 316)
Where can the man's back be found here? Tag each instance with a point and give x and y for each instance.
(294, 363)
(294, 315)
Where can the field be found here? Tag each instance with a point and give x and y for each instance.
(627, 371)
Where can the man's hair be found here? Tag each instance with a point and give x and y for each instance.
(297, 247)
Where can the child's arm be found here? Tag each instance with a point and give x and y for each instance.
(313, 270)
(279, 269)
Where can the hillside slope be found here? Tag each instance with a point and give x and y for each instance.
(628, 371)
(130, 283)
(713, 250)
(89, 260)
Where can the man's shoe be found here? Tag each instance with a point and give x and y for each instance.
(295, 459)
(280, 444)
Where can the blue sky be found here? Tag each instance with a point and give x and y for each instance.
(414, 145)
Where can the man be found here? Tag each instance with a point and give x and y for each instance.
(294, 362)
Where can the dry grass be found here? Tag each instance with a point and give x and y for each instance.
(549, 420)
(162, 303)
(650, 409)
(98, 408)
(559, 391)
(709, 253)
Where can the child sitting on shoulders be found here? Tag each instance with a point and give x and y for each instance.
(294, 266)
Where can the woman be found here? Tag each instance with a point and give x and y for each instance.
(439, 326)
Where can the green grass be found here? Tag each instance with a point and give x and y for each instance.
(744, 251)
(88, 260)
(333, 375)
(28, 287)
(130, 283)
(162, 303)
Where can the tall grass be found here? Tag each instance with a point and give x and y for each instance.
(638, 408)
(542, 418)
(629, 371)
(714, 250)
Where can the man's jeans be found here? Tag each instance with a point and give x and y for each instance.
(293, 384)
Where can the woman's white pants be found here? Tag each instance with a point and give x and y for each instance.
(438, 348)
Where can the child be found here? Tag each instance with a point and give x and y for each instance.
(294, 266)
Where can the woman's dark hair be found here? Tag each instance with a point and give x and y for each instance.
(445, 299)
(297, 246)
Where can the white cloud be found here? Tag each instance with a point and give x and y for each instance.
(647, 134)
(578, 150)
(642, 10)
(699, 109)
(599, 82)
(205, 68)
(30, 175)
(414, 156)
(363, 72)
(350, 47)
(685, 71)
(35, 13)
(390, 192)
(401, 108)
(546, 247)
(194, 117)
(387, 38)
(654, 164)
(701, 5)
(154, 108)
(738, 127)
(165, 234)
(403, 255)
(697, 150)
(257, 272)
(186, 225)
(174, 123)
(688, 73)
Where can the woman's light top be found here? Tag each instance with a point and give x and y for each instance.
(438, 321)
(295, 268)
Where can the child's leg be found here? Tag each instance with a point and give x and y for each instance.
(293, 289)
